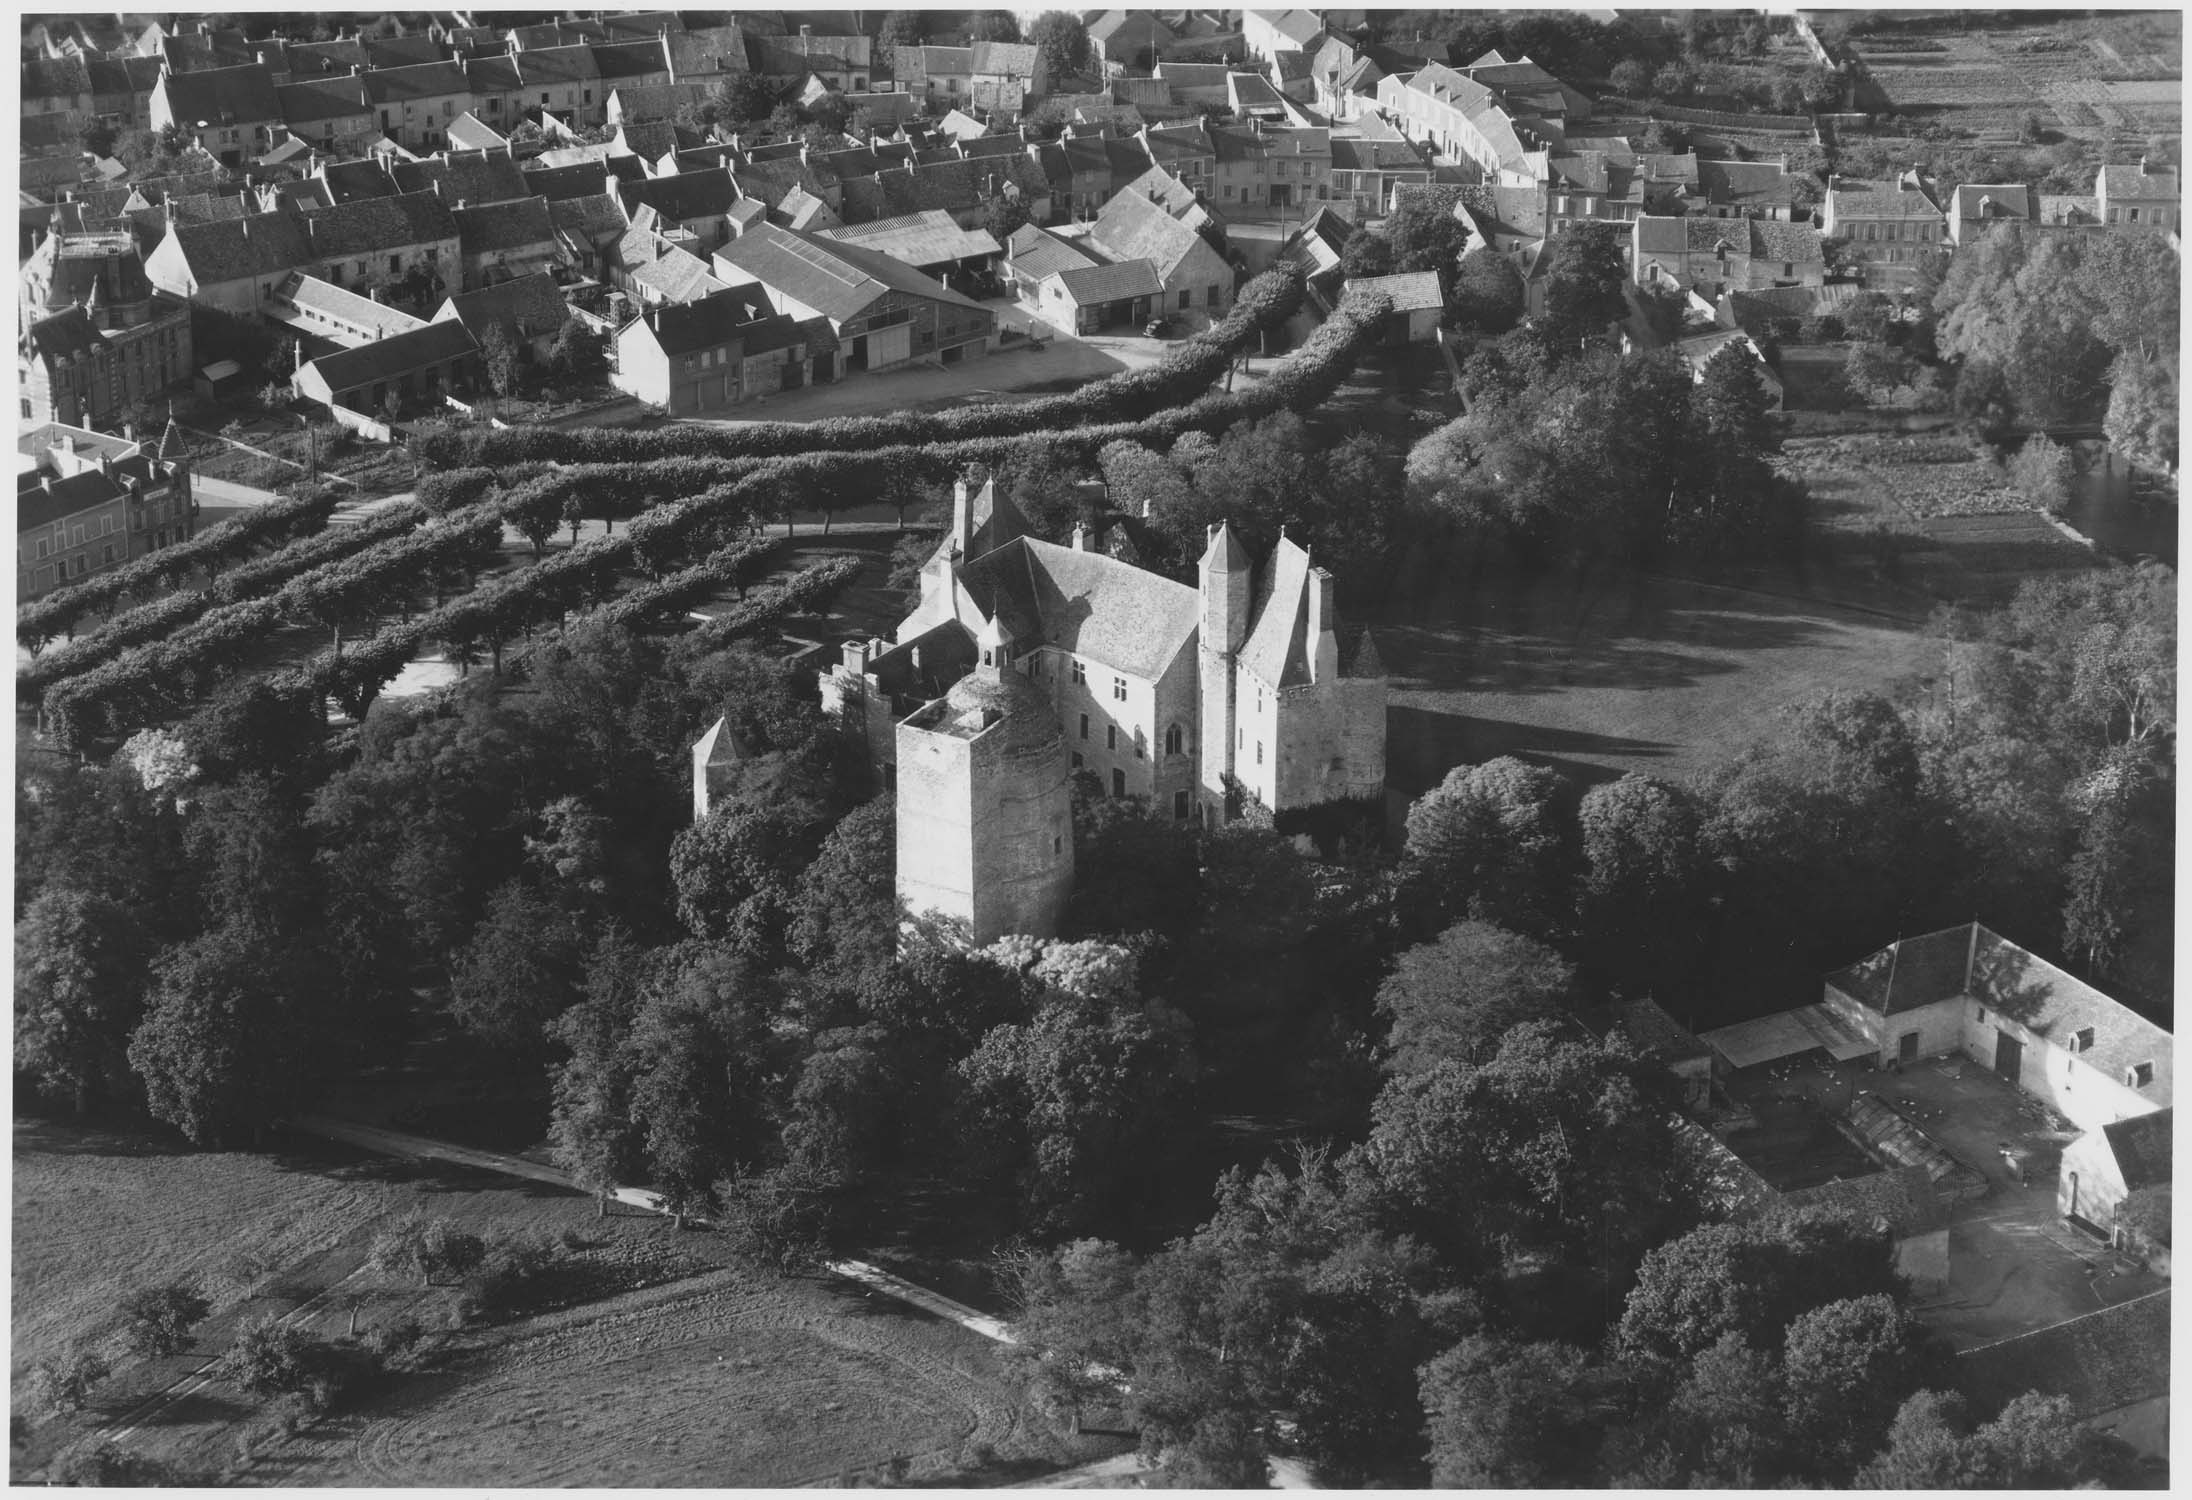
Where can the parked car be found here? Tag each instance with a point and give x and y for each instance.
(1157, 328)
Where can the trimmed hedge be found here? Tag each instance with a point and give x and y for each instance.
(1187, 370)
(40, 620)
(163, 617)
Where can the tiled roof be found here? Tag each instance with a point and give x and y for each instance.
(41, 504)
(658, 101)
(221, 95)
(397, 354)
(1971, 960)
(641, 23)
(707, 51)
(580, 180)
(836, 280)
(1517, 212)
(1187, 75)
(401, 51)
(792, 56)
(1092, 286)
(1091, 605)
(302, 293)
(526, 306)
(2123, 180)
(55, 77)
(949, 185)
(123, 75)
(1773, 240)
(1852, 198)
(2001, 200)
(66, 333)
(493, 75)
(487, 228)
(2101, 1362)
(687, 195)
(549, 65)
(1131, 227)
(229, 249)
(1746, 184)
(1300, 27)
(1148, 29)
(476, 178)
(1704, 235)
(1410, 291)
(923, 239)
(307, 59)
(1355, 154)
(1035, 253)
(2141, 1146)
(634, 59)
(429, 80)
(366, 178)
(1902, 1200)
(652, 140)
(1170, 194)
(1006, 59)
(372, 225)
(678, 275)
(593, 215)
(803, 210)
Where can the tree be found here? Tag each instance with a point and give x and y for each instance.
(1004, 216)
(1366, 253)
(1749, 1280)
(221, 1046)
(499, 359)
(157, 1320)
(2142, 408)
(2041, 473)
(269, 1357)
(1508, 1416)
(1488, 292)
(60, 1384)
(80, 971)
(1631, 77)
(519, 972)
(579, 352)
(1454, 999)
(745, 99)
(1062, 39)
(1425, 238)
(1876, 370)
(702, 1058)
(900, 28)
(1487, 843)
(1583, 286)
(430, 1249)
(736, 871)
(1849, 1366)
(845, 911)
(993, 26)
(1644, 879)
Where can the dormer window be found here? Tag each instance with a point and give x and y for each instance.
(2139, 1075)
(2083, 1041)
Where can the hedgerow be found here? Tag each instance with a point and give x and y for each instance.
(164, 616)
(1186, 370)
(57, 613)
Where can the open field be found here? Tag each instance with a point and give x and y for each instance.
(1602, 677)
(2091, 74)
(656, 1364)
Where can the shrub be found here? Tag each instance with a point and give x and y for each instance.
(508, 1280)
(269, 1358)
(103, 1464)
(392, 1341)
(428, 1249)
(62, 1383)
(158, 1320)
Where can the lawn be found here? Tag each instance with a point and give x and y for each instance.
(1630, 673)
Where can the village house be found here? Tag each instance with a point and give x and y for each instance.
(88, 501)
(882, 313)
(1889, 227)
(473, 178)
(1711, 256)
(706, 357)
(1191, 275)
(324, 316)
(1279, 170)
(1129, 41)
(1416, 304)
(993, 76)
(1747, 189)
(415, 106)
(322, 111)
(502, 241)
(403, 372)
(704, 204)
(2137, 197)
(2103, 1167)
(121, 90)
(529, 310)
(844, 63)
(1267, 33)
(1976, 207)
(587, 229)
(1368, 172)
(233, 113)
(58, 86)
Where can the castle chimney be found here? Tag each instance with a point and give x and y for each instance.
(856, 656)
(806, 37)
(2143, 170)
(1080, 537)
(1323, 619)
(962, 520)
(357, 70)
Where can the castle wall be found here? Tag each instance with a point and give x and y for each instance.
(1362, 736)
(935, 825)
(1214, 728)
(1022, 832)
(1177, 700)
(1140, 720)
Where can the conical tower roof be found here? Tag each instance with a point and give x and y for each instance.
(1225, 554)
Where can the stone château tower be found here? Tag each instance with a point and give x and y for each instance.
(985, 812)
(1224, 577)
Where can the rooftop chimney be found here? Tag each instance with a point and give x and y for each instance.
(1080, 537)
(1323, 618)
(962, 520)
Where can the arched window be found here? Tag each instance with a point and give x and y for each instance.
(1173, 739)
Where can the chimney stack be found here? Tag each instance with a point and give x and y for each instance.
(962, 520)
(1080, 537)
(1323, 619)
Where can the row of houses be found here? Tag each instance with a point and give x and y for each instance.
(88, 500)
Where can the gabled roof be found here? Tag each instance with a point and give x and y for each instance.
(426, 80)
(707, 52)
(550, 65)
(301, 293)
(1278, 646)
(1301, 27)
(1773, 240)
(1131, 227)
(315, 59)
(1974, 202)
(488, 228)
(2135, 180)
(708, 321)
(633, 59)
(1035, 253)
(474, 178)
(1007, 59)
(1972, 961)
(657, 101)
(397, 354)
(230, 249)
(525, 306)
(1410, 291)
(368, 177)
(47, 498)
(1147, 28)
(66, 334)
(1746, 184)
(923, 239)
(836, 280)
(122, 75)
(368, 225)
(1359, 154)
(2141, 1146)
(2102, 1362)
(686, 195)
(579, 180)
(56, 77)
(677, 275)
(390, 52)
(223, 95)
(1851, 197)
(1094, 286)
(593, 216)
(1091, 605)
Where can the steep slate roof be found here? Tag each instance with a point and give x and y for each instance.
(1035, 253)
(1278, 645)
(503, 226)
(1093, 286)
(426, 80)
(365, 178)
(1971, 960)
(224, 94)
(68, 332)
(40, 504)
(1084, 602)
(229, 249)
(686, 195)
(525, 306)
(336, 98)
(1902, 1200)
(397, 354)
(2102, 1362)
(1131, 227)
(2141, 1146)
(836, 280)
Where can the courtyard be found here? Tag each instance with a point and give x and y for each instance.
(2015, 1265)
